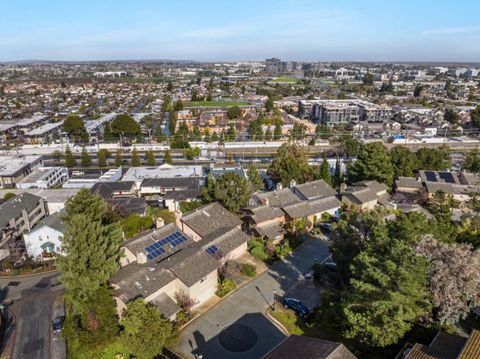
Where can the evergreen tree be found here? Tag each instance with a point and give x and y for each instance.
(290, 163)
(135, 158)
(255, 179)
(107, 132)
(172, 122)
(178, 105)
(231, 134)
(277, 133)
(338, 175)
(373, 163)
(91, 245)
(145, 330)
(206, 135)
(472, 161)
(268, 134)
(167, 158)
(230, 189)
(118, 158)
(85, 159)
(170, 86)
(325, 171)
(75, 128)
(103, 155)
(215, 137)
(151, 161)
(404, 162)
(70, 160)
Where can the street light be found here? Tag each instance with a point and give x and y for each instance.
(273, 304)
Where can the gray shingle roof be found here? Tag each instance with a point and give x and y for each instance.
(360, 195)
(209, 219)
(271, 231)
(409, 182)
(54, 221)
(107, 189)
(191, 265)
(311, 207)
(281, 198)
(14, 207)
(175, 182)
(315, 189)
(264, 213)
(166, 305)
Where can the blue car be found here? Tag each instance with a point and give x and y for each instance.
(297, 306)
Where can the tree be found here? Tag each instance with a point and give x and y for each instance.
(178, 105)
(189, 206)
(191, 153)
(256, 181)
(475, 116)
(135, 161)
(325, 173)
(472, 161)
(454, 279)
(387, 293)
(409, 227)
(290, 163)
(91, 245)
(214, 137)
(338, 174)
(134, 224)
(298, 132)
(103, 155)
(167, 158)
(170, 86)
(230, 189)
(107, 132)
(8, 196)
(418, 90)
(373, 163)
(350, 146)
(231, 134)
(125, 125)
(145, 331)
(57, 155)
(85, 159)
(234, 112)
(322, 131)
(433, 159)
(277, 132)
(118, 158)
(451, 116)
(441, 205)
(75, 128)
(269, 105)
(151, 161)
(70, 160)
(207, 137)
(404, 162)
(368, 80)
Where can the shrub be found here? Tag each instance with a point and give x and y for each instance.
(283, 249)
(254, 243)
(249, 270)
(225, 286)
(135, 224)
(9, 195)
(259, 253)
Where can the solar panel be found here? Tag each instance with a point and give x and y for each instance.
(430, 176)
(157, 249)
(212, 249)
(447, 177)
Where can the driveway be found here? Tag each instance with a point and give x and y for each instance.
(33, 299)
(238, 327)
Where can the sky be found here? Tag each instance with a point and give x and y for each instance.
(234, 30)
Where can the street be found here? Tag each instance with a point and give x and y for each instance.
(238, 326)
(33, 298)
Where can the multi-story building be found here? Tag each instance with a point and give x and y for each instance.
(14, 168)
(19, 215)
(273, 65)
(44, 177)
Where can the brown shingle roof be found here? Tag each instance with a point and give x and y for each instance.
(471, 350)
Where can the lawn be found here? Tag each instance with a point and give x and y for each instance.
(216, 103)
(284, 79)
(111, 351)
(295, 324)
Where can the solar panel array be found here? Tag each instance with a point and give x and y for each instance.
(157, 249)
(212, 249)
(447, 177)
(430, 176)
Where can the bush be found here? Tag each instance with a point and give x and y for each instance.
(249, 270)
(254, 243)
(225, 286)
(9, 195)
(135, 224)
(189, 206)
(259, 253)
(283, 249)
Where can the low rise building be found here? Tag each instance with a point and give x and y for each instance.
(14, 168)
(44, 177)
(44, 241)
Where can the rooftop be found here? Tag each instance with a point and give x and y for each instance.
(10, 165)
(13, 207)
(163, 171)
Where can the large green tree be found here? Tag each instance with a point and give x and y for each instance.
(433, 159)
(135, 160)
(151, 160)
(472, 161)
(103, 155)
(145, 331)
(91, 247)
(475, 116)
(118, 158)
(387, 293)
(234, 112)
(290, 163)
(325, 173)
(124, 125)
(255, 179)
(85, 159)
(69, 158)
(373, 163)
(404, 162)
(75, 128)
(167, 158)
(230, 189)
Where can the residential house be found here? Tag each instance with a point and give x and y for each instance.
(300, 347)
(179, 257)
(44, 241)
(365, 195)
(19, 215)
(121, 195)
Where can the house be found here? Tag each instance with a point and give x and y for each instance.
(44, 241)
(447, 346)
(162, 186)
(179, 257)
(313, 190)
(172, 200)
(265, 222)
(19, 215)
(365, 195)
(120, 195)
(138, 174)
(302, 347)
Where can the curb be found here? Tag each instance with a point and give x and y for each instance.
(2, 276)
(276, 322)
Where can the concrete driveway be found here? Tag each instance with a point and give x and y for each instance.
(238, 327)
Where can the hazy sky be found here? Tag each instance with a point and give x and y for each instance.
(214, 30)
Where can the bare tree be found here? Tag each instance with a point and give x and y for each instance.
(454, 278)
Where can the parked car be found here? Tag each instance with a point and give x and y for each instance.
(331, 265)
(325, 227)
(57, 324)
(297, 306)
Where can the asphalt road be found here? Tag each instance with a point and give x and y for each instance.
(247, 308)
(33, 299)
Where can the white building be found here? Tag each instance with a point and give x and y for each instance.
(45, 240)
(44, 177)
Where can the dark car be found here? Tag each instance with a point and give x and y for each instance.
(57, 324)
(297, 306)
(331, 265)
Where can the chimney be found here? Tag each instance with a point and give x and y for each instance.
(293, 183)
(178, 217)
(160, 222)
(343, 187)
(266, 202)
(279, 186)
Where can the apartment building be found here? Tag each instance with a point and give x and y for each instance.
(14, 168)
(44, 177)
